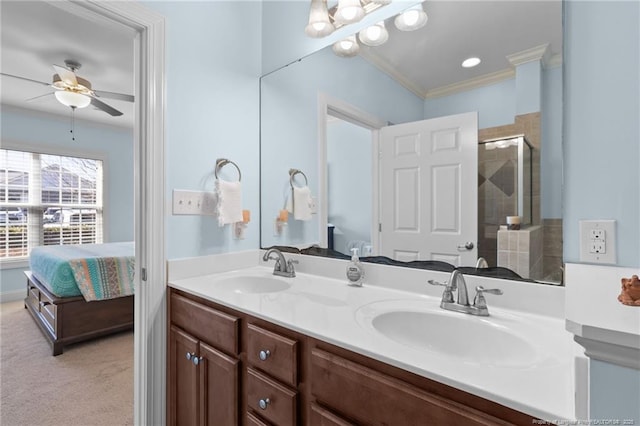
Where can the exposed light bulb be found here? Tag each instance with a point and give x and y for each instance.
(411, 19)
(347, 47)
(319, 24)
(374, 35)
(349, 11)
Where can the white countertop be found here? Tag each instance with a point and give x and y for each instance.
(329, 310)
(609, 330)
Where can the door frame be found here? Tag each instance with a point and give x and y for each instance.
(148, 28)
(330, 106)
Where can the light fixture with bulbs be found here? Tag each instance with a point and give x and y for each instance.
(411, 19)
(324, 21)
(347, 47)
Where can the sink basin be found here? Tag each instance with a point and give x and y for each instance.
(466, 338)
(252, 284)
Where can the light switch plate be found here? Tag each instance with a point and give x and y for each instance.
(194, 202)
(598, 241)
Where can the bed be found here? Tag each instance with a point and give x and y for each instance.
(80, 292)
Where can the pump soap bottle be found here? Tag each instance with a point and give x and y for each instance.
(355, 271)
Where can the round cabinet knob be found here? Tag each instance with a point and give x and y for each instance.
(189, 355)
(263, 403)
(263, 355)
(197, 360)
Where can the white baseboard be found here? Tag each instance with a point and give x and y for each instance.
(12, 296)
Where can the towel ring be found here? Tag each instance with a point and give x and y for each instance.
(293, 173)
(221, 162)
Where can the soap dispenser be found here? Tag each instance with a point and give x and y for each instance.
(355, 271)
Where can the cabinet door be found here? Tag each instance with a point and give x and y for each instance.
(218, 387)
(183, 379)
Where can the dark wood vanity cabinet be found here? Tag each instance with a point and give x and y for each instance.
(254, 373)
(203, 381)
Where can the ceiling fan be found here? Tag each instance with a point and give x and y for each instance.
(76, 92)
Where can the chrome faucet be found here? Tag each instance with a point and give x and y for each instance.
(457, 283)
(283, 267)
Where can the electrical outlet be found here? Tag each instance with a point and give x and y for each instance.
(597, 235)
(597, 247)
(598, 241)
(194, 202)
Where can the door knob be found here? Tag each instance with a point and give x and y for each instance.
(467, 246)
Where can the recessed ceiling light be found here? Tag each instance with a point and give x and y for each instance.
(470, 62)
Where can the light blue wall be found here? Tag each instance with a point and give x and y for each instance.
(116, 144)
(213, 63)
(551, 153)
(602, 153)
(615, 392)
(496, 104)
(349, 167)
(602, 133)
(289, 114)
(528, 88)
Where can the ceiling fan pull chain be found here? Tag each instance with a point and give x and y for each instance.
(73, 123)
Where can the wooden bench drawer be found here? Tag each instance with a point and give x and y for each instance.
(281, 402)
(273, 353)
(252, 420)
(216, 328)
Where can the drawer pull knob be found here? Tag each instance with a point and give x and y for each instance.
(196, 360)
(263, 355)
(263, 403)
(190, 355)
(44, 303)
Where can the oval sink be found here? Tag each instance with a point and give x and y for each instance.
(473, 340)
(252, 284)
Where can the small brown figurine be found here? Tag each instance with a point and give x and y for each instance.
(630, 294)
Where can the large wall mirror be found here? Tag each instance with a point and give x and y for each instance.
(409, 157)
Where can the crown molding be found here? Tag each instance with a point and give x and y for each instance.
(472, 83)
(537, 53)
(390, 70)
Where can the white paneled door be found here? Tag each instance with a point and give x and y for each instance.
(429, 190)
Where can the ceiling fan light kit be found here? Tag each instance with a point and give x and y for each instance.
(72, 99)
(74, 91)
(324, 21)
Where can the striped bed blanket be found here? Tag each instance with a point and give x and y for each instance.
(97, 271)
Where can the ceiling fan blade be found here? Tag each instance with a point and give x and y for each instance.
(66, 75)
(25, 79)
(104, 107)
(38, 97)
(113, 95)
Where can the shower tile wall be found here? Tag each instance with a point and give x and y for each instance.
(553, 266)
(529, 125)
(521, 251)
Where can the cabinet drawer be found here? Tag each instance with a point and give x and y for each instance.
(254, 421)
(216, 328)
(48, 312)
(324, 417)
(374, 398)
(281, 402)
(275, 354)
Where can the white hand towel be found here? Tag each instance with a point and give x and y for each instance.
(229, 205)
(302, 203)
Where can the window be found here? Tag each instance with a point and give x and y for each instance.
(48, 200)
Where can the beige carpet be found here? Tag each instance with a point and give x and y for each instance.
(91, 383)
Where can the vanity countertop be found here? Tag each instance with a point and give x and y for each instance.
(329, 310)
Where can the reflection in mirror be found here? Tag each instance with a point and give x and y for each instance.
(325, 115)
